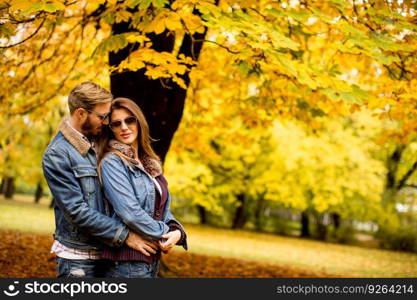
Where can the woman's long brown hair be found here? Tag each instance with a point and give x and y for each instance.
(144, 139)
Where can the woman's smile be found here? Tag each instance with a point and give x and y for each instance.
(126, 135)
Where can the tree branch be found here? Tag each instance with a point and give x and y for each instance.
(392, 166)
(411, 186)
(218, 44)
(24, 40)
(31, 107)
(403, 180)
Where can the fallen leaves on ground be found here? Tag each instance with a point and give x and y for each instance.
(190, 265)
(26, 255)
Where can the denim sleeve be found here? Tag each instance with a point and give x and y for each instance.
(68, 196)
(183, 240)
(174, 224)
(119, 192)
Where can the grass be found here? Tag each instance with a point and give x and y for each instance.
(347, 261)
(22, 214)
(343, 260)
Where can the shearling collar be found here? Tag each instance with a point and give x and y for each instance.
(74, 138)
(151, 165)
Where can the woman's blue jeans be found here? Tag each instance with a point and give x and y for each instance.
(133, 269)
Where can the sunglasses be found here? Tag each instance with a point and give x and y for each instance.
(129, 121)
(102, 117)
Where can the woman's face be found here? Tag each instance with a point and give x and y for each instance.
(124, 126)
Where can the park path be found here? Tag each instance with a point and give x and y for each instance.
(26, 255)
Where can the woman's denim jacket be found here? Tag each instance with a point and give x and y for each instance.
(69, 165)
(131, 193)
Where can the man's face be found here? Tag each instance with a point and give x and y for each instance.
(93, 125)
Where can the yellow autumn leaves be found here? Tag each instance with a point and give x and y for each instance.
(174, 21)
(157, 64)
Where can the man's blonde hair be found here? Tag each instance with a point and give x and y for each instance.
(86, 95)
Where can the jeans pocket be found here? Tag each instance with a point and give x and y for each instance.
(140, 270)
(75, 268)
(60, 267)
(63, 268)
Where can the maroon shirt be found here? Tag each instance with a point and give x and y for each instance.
(126, 253)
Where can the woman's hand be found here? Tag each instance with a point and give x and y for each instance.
(140, 244)
(172, 239)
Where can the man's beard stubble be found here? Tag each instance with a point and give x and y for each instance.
(87, 127)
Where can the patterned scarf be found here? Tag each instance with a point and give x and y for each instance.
(151, 165)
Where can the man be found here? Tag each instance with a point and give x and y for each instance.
(69, 165)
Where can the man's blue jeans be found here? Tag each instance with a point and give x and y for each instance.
(79, 268)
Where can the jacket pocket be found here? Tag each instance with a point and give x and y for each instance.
(139, 184)
(87, 175)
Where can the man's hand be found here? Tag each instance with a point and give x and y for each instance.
(140, 244)
(172, 239)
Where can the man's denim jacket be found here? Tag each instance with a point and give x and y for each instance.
(69, 165)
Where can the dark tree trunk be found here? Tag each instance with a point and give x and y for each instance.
(259, 213)
(38, 192)
(322, 228)
(391, 184)
(2, 186)
(9, 188)
(240, 217)
(336, 219)
(162, 107)
(162, 101)
(305, 225)
(202, 212)
(392, 166)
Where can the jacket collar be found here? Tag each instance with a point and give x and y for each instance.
(150, 165)
(75, 138)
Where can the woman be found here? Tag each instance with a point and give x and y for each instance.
(133, 184)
